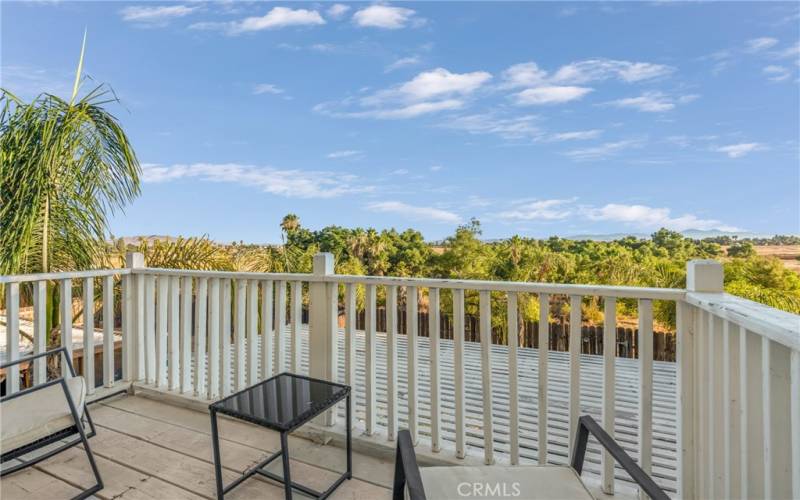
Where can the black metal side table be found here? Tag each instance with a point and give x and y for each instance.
(282, 403)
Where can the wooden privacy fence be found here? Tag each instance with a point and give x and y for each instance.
(591, 336)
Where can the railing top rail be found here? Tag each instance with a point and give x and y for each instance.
(500, 286)
(96, 273)
(780, 326)
(516, 286)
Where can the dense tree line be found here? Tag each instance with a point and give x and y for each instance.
(659, 261)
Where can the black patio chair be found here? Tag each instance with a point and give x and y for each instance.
(521, 481)
(49, 415)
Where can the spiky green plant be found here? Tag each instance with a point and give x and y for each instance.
(64, 166)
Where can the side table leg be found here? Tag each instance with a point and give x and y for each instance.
(217, 461)
(349, 425)
(287, 480)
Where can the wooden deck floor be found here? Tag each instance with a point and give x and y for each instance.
(149, 450)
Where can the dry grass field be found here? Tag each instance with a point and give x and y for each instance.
(789, 254)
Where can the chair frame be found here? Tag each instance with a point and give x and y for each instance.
(406, 470)
(77, 428)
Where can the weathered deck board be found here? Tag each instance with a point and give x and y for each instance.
(150, 450)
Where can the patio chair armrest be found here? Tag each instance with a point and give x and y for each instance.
(59, 350)
(406, 470)
(587, 425)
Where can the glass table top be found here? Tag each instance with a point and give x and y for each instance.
(282, 402)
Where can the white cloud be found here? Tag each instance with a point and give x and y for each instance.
(539, 210)
(652, 102)
(741, 149)
(529, 74)
(646, 217)
(776, 73)
(337, 10)
(523, 75)
(289, 183)
(592, 70)
(266, 88)
(577, 135)
(759, 44)
(440, 81)
(347, 153)
(790, 52)
(429, 92)
(521, 127)
(399, 171)
(436, 168)
(383, 16)
(550, 95)
(603, 151)
(415, 212)
(402, 63)
(278, 17)
(155, 15)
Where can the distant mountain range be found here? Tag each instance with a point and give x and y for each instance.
(697, 234)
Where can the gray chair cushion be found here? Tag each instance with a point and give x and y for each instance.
(529, 482)
(33, 416)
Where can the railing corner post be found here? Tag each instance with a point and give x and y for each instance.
(704, 275)
(130, 321)
(323, 326)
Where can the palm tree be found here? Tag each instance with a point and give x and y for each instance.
(290, 223)
(64, 166)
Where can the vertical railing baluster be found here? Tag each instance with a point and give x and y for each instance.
(794, 412)
(609, 392)
(66, 322)
(766, 398)
(574, 368)
(486, 375)
(213, 339)
(162, 331)
(280, 327)
(433, 342)
(391, 361)
(225, 375)
(139, 344)
(266, 329)
(174, 334)
(39, 330)
(108, 331)
(645, 351)
(12, 336)
(711, 425)
(744, 456)
(371, 340)
(150, 328)
(295, 317)
(88, 334)
(186, 334)
(239, 335)
(200, 323)
(685, 387)
(458, 371)
(252, 332)
(412, 303)
(512, 318)
(544, 341)
(128, 327)
(726, 409)
(350, 341)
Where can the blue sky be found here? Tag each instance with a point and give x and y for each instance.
(536, 118)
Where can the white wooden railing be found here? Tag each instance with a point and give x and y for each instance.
(204, 334)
